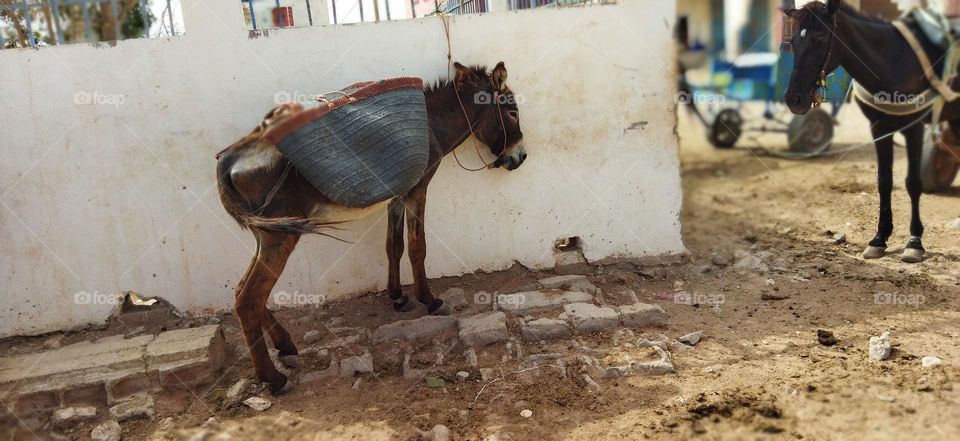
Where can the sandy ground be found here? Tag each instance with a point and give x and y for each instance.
(758, 373)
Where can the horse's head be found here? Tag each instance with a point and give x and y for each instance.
(814, 49)
(497, 119)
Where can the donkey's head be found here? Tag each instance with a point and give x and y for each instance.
(815, 52)
(496, 118)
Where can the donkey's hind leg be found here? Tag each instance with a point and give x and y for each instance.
(394, 252)
(913, 252)
(273, 249)
(281, 340)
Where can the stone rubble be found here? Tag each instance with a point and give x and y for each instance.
(137, 407)
(588, 318)
(483, 329)
(692, 338)
(70, 417)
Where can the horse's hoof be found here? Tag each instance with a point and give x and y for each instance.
(287, 387)
(290, 361)
(912, 255)
(438, 308)
(873, 252)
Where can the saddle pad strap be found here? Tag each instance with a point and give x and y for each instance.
(945, 91)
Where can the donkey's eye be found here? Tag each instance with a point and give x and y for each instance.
(514, 113)
(803, 33)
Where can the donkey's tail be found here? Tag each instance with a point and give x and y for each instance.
(290, 225)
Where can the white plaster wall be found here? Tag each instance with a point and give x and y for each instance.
(102, 198)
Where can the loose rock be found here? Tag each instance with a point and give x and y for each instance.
(361, 364)
(463, 375)
(483, 329)
(136, 407)
(691, 338)
(930, 361)
(236, 392)
(258, 404)
(826, 338)
(455, 298)
(71, 417)
(587, 317)
(311, 336)
(440, 433)
(880, 347)
(526, 413)
(108, 431)
(544, 329)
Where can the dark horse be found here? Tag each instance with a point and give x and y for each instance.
(880, 59)
(249, 170)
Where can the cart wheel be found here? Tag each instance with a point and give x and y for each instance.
(810, 133)
(726, 129)
(938, 167)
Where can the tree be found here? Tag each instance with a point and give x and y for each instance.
(131, 17)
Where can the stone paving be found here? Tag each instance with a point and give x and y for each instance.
(114, 371)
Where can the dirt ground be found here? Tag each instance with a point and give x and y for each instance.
(764, 276)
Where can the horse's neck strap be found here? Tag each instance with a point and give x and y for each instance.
(945, 91)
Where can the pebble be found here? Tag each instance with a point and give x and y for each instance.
(210, 422)
(953, 225)
(311, 336)
(691, 338)
(880, 347)
(108, 431)
(166, 424)
(257, 403)
(526, 413)
(930, 361)
(463, 375)
(236, 392)
(440, 433)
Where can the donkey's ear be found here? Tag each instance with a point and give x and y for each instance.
(833, 6)
(499, 77)
(792, 13)
(463, 72)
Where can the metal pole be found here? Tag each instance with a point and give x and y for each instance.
(360, 2)
(309, 13)
(86, 21)
(26, 16)
(413, 10)
(376, 10)
(334, 4)
(116, 20)
(387, 4)
(279, 13)
(143, 18)
(253, 15)
(54, 26)
(173, 29)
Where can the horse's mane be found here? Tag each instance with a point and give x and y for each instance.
(444, 82)
(821, 8)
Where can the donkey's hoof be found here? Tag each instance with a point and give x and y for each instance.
(290, 361)
(403, 305)
(873, 252)
(438, 308)
(287, 387)
(912, 255)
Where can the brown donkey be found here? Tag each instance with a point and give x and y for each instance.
(249, 170)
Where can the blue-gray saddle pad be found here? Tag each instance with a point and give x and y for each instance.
(362, 148)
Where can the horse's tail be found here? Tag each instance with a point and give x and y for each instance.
(239, 208)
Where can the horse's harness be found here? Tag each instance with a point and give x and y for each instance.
(821, 85)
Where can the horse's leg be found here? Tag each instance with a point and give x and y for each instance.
(913, 252)
(394, 253)
(416, 201)
(251, 302)
(877, 246)
(281, 340)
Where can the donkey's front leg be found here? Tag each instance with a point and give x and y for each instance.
(878, 246)
(416, 202)
(913, 252)
(394, 252)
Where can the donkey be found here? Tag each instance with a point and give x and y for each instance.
(879, 59)
(249, 171)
